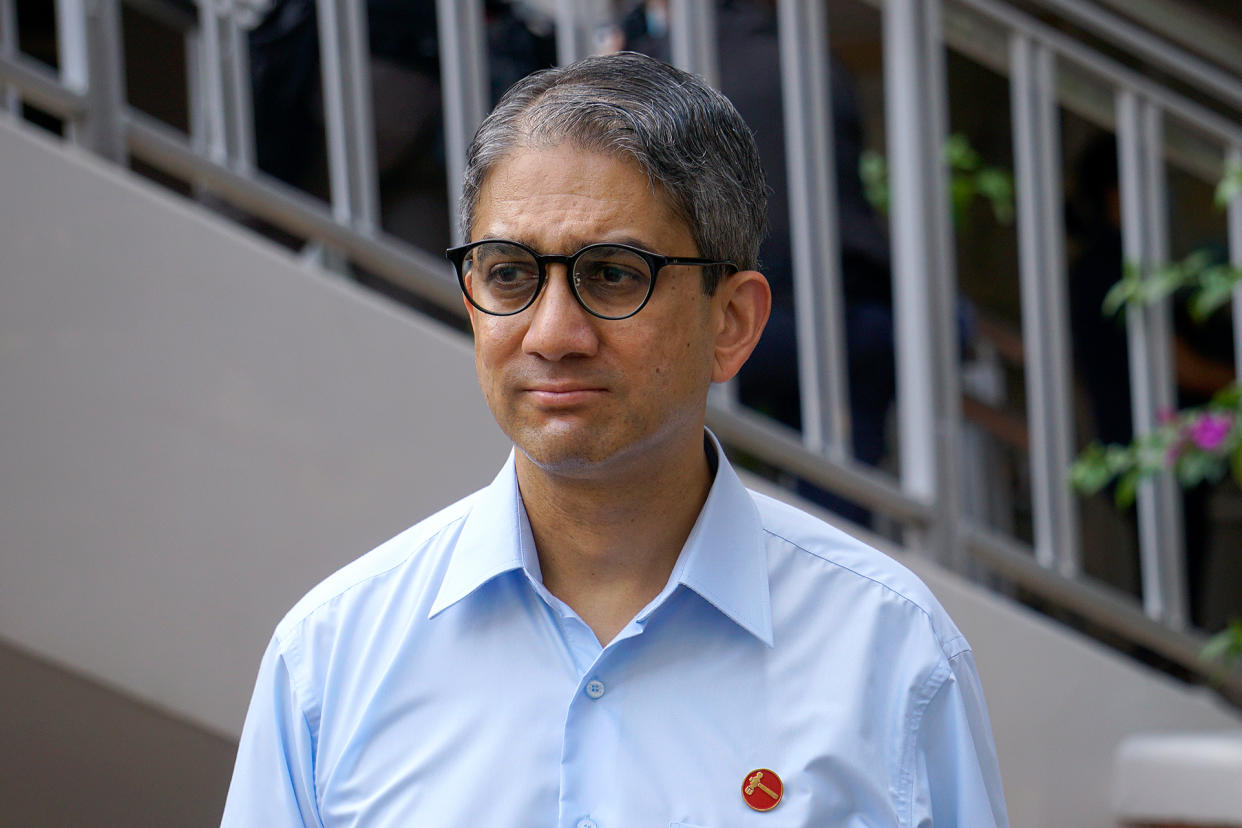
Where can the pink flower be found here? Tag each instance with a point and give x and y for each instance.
(1210, 430)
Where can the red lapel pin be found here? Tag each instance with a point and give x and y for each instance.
(762, 789)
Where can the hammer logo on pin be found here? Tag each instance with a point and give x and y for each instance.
(762, 789)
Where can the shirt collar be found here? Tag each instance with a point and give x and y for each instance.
(724, 559)
(495, 538)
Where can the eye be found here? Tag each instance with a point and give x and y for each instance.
(510, 273)
(612, 272)
(504, 268)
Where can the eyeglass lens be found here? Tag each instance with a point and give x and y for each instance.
(609, 281)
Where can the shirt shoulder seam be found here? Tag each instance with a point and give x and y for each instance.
(292, 622)
(875, 581)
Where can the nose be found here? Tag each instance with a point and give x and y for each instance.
(559, 326)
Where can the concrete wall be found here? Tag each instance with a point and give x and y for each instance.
(194, 429)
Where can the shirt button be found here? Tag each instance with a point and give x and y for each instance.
(594, 689)
(587, 823)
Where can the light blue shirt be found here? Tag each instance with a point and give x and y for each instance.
(436, 682)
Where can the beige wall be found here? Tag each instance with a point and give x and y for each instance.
(194, 429)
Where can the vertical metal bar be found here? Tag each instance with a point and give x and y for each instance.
(927, 399)
(463, 81)
(574, 31)
(692, 38)
(1044, 305)
(88, 35)
(71, 48)
(334, 111)
(240, 110)
(945, 343)
(210, 73)
(818, 297)
(1234, 162)
(10, 100)
(913, 255)
(1144, 241)
(344, 64)
(359, 117)
(197, 91)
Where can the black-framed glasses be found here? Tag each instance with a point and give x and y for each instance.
(611, 281)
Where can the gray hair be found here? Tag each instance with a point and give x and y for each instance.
(688, 138)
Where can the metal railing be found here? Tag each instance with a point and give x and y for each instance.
(1046, 70)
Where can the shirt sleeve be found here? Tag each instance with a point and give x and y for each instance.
(274, 776)
(957, 777)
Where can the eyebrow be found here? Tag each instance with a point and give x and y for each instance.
(630, 240)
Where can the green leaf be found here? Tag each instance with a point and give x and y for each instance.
(1125, 291)
(996, 186)
(873, 170)
(1194, 467)
(960, 155)
(1127, 489)
(1091, 471)
(1164, 281)
(1213, 290)
(1226, 646)
(1229, 187)
(1229, 397)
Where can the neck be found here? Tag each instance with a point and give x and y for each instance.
(608, 544)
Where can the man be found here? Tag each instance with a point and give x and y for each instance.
(616, 633)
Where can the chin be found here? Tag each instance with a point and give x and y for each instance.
(573, 456)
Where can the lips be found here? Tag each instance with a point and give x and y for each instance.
(562, 394)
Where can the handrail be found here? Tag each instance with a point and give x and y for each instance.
(1106, 69)
(1178, 62)
(1099, 603)
(269, 199)
(41, 86)
(783, 447)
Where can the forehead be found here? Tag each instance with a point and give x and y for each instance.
(565, 195)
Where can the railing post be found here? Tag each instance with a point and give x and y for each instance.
(344, 60)
(929, 400)
(88, 34)
(10, 99)
(818, 297)
(1044, 304)
(222, 115)
(1148, 328)
(1233, 161)
(575, 30)
(692, 38)
(463, 82)
(237, 92)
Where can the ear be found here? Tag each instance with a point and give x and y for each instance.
(470, 310)
(744, 301)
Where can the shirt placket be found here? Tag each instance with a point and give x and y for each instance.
(592, 725)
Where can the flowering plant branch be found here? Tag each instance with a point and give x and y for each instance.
(1199, 444)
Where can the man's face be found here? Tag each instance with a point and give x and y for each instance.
(579, 395)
